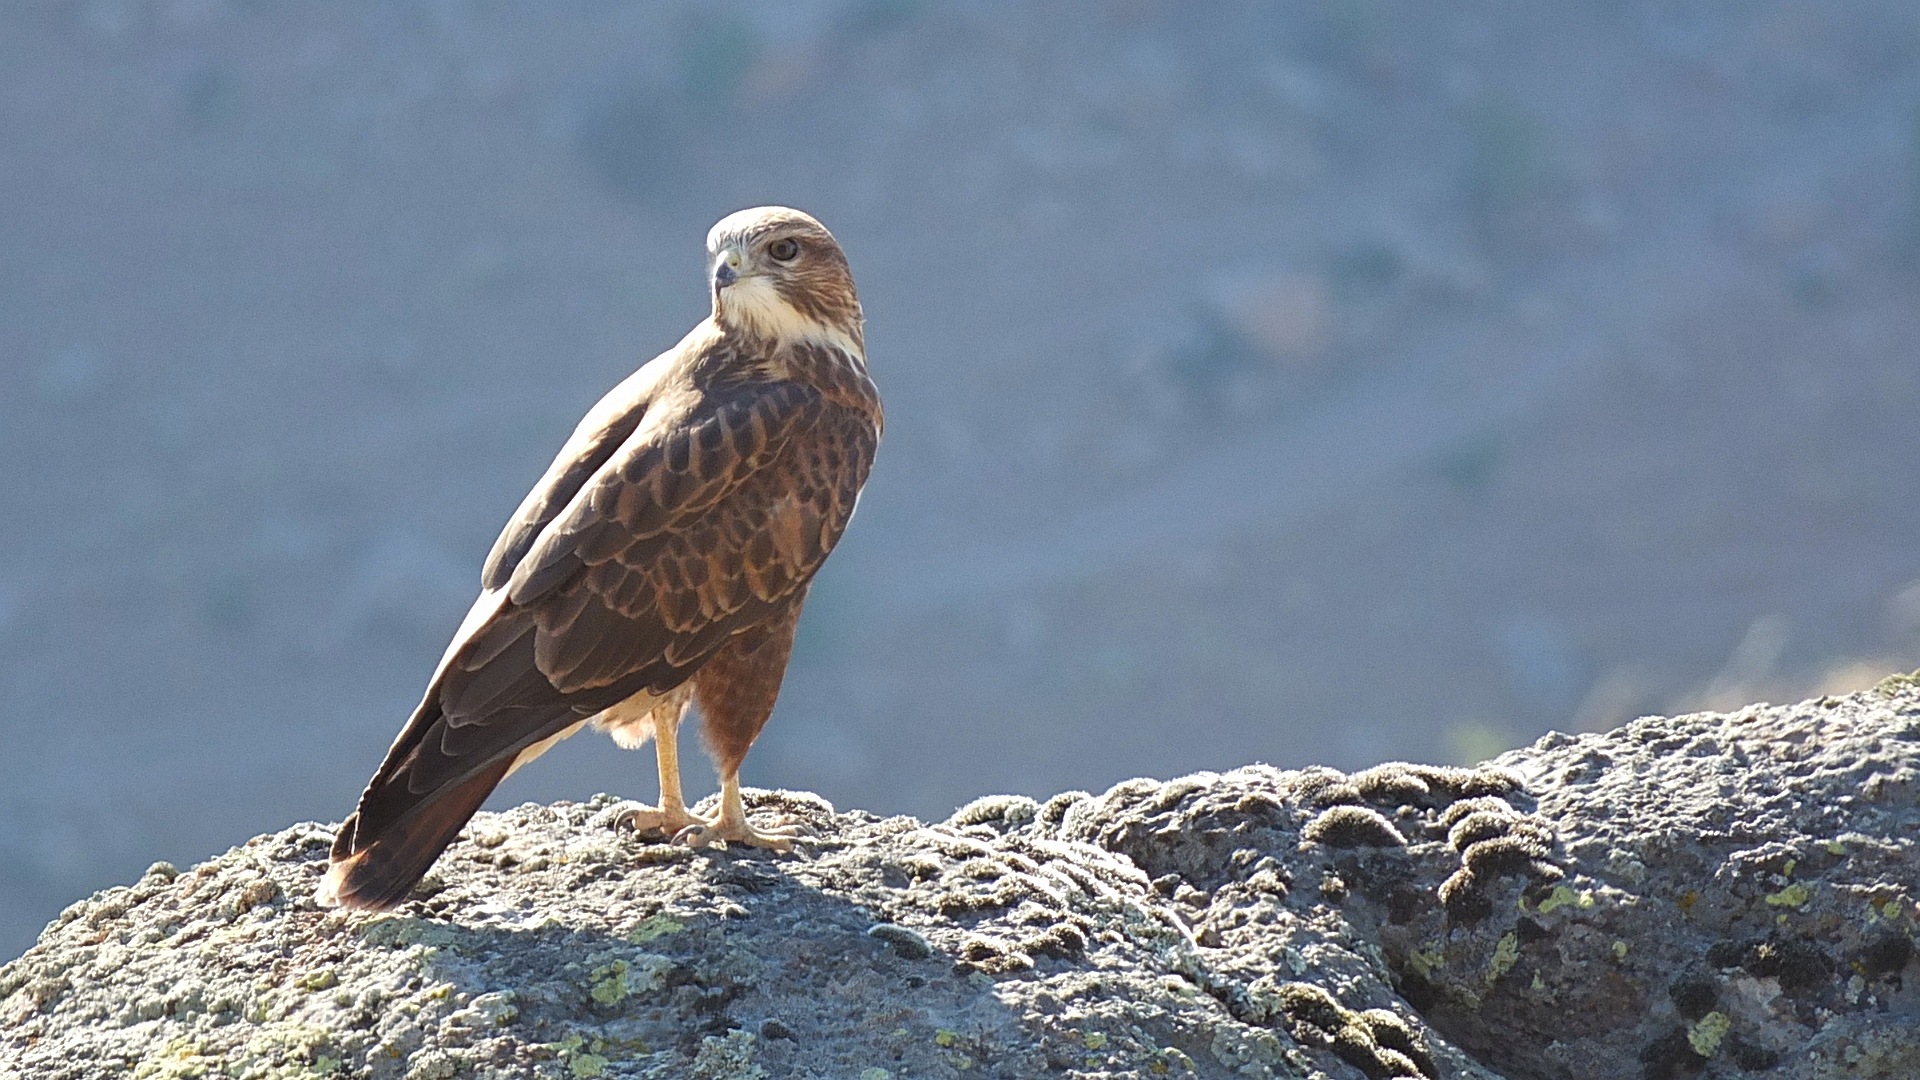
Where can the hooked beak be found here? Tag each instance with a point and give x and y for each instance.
(726, 269)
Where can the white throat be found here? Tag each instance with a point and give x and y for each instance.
(753, 303)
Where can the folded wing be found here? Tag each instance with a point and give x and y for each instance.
(622, 573)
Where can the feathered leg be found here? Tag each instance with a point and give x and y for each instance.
(736, 691)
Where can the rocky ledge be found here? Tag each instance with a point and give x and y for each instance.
(1707, 895)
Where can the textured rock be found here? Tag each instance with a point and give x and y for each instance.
(1704, 895)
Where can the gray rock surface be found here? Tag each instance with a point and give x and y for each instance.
(1714, 895)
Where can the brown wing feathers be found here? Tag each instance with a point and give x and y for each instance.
(653, 486)
(564, 479)
(630, 581)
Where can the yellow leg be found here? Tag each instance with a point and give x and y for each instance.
(734, 828)
(672, 816)
(666, 744)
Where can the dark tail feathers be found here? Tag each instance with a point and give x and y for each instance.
(374, 873)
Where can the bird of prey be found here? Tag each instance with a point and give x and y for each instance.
(661, 561)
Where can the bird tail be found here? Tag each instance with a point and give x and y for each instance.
(374, 873)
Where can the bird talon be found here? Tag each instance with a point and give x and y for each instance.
(776, 838)
(694, 836)
(654, 821)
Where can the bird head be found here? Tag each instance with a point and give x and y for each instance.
(779, 274)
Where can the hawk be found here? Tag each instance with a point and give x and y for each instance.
(661, 561)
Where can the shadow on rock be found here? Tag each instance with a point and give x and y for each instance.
(1700, 895)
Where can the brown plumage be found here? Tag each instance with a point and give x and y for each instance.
(662, 559)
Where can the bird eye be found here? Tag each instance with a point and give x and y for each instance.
(784, 249)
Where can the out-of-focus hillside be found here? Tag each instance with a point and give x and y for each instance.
(1318, 383)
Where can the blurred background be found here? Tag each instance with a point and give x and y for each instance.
(1326, 382)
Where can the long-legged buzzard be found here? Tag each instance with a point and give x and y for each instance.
(661, 560)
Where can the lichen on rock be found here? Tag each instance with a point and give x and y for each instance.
(1737, 893)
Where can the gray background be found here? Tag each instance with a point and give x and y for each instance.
(1306, 382)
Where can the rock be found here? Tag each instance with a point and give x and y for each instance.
(1728, 893)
